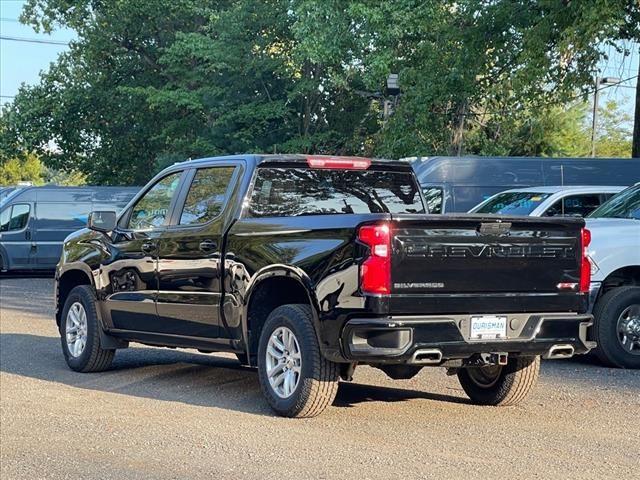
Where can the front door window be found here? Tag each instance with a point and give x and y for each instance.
(152, 210)
(15, 217)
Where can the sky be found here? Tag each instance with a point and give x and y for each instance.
(22, 61)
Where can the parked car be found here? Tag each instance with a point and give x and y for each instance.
(34, 221)
(306, 266)
(457, 184)
(555, 201)
(615, 286)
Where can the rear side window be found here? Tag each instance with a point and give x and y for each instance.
(574, 206)
(206, 196)
(305, 191)
(15, 217)
(433, 197)
(513, 203)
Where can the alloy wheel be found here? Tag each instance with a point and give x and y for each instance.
(76, 329)
(283, 362)
(629, 329)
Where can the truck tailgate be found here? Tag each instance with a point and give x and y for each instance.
(491, 264)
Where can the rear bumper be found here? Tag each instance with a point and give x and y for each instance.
(436, 339)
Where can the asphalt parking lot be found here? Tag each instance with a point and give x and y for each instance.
(161, 413)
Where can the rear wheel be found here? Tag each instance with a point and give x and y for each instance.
(80, 334)
(500, 385)
(617, 327)
(295, 378)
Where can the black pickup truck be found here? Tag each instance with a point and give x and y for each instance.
(306, 266)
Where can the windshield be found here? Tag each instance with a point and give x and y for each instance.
(305, 191)
(5, 193)
(513, 203)
(624, 205)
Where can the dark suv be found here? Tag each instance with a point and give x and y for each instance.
(306, 266)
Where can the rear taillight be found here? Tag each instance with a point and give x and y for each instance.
(585, 266)
(375, 271)
(341, 163)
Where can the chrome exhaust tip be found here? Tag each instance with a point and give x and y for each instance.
(559, 351)
(427, 356)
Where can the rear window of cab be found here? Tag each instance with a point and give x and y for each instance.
(291, 191)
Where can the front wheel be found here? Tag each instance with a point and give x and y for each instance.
(295, 378)
(500, 385)
(80, 334)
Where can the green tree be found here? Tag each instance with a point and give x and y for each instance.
(26, 169)
(64, 178)
(462, 60)
(151, 82)
(553, 132)
(614, 134)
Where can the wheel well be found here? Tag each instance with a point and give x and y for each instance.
(67, 282)
(268, 295)
(621, 277)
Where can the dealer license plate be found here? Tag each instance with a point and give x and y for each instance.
(488, 327)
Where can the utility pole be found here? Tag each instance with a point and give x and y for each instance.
(635, 142)
(594, 118)
(392, 90)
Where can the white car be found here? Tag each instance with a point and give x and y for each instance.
(548, 201)
(614, 253)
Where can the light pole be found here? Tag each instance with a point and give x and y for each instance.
(392, 89)
(596, 98)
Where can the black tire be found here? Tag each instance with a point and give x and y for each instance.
(318, 382)
(606, 313)
(512, 383)
(93, 358)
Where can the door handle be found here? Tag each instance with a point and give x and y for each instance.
(27, 235)
(149, 247)
(208, 246)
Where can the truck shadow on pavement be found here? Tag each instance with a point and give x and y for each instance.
(174, 376)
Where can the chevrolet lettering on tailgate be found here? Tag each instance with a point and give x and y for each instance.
(488, 251)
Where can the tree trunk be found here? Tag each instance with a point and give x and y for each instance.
(635, 143)
(457, 140)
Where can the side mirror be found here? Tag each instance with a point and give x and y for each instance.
(102, 221)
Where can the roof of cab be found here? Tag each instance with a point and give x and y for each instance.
(257, 159)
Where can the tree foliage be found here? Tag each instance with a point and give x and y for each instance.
(27, 169)
(151, 82)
